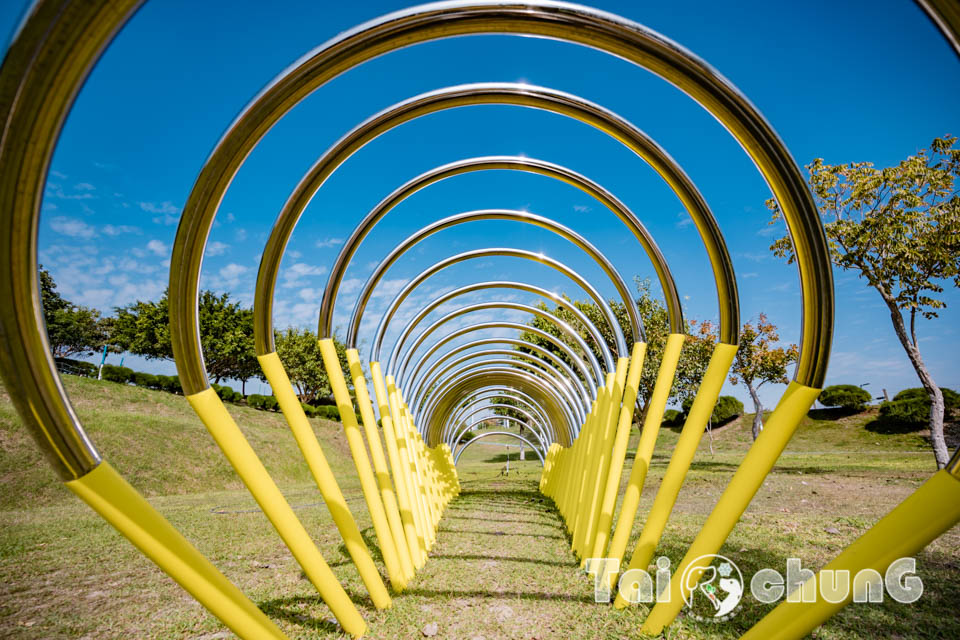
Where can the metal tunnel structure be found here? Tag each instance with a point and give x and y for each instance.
(429, 386)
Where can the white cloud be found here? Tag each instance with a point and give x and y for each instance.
(294, 275)
(240, 235)
(217, 248)
(232, 272)
(581, 208)
(157, 247)
(684, 220)
(72, 227)
(169, 214)
(116, 230)
(231, 217)
(326, 243)
(84, 186)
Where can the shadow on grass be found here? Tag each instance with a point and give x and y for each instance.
(573, 564)
(835, 413)
(291, 610)
(516, 595)
(891, 427)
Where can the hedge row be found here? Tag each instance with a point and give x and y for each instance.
(126, 375)
(910, 409)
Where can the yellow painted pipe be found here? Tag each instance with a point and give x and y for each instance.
(380, 466)
(407, 467)
(248, 466)
(598, 473)
(913, 524)
(358, 451)
(763, 454)
(683, 453)
(619, 452)
(124, 508)
(323, 476)
(403, 494)
(591, 462)
(648, 439)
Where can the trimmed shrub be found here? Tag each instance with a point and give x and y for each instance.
(142, 379)
(726, 409)
(256, 401)
(910, 414)
(170, 384)
(845, 396)
(226, 393)
(311, 412)
(328, 412)
(672, 417)
(121, 375)
(951, 399)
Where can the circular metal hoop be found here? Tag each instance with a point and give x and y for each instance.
(499, 433)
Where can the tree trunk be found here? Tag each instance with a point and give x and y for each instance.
(758, 408)
(243, 388)
(940, 451)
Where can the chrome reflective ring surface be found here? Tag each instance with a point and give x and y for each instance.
(499, 433)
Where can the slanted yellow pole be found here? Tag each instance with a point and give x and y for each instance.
(323, 476)
(763, 454)
(358, 451)
(619, 452)
(380, 466)
(248, 466)
(399, 475)
(590, 460)
(644, 453)
(598, 473)
(407, 467)
(124, 508)
(913, 524)
(683, 453)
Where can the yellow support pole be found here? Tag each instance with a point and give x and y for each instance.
(590, 460)
(399, 476)
(124, 508)
(368, 483)
(598, 474)
(323, 476)
(248, 466)
(680, 461)
(913, 524)
(407, 467)
(619, 452)
(380, 466)
(644, 453)
(763, 454)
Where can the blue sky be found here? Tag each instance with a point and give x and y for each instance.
(852, 81)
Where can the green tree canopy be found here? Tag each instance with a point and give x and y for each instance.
(758, 362)
(299, 351)
(72, 330)
(899, 229)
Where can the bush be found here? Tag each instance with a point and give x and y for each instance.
(726, 409)
(263, 403)
(672, 417)
(845, 396)
(951, 399)
(328, 412)
(909, 414)
(226, 393)
(170, 384)
(142, 379)
(311, 412)
(121, 375)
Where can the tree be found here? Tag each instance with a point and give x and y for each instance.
(698, 346)
(226, 334)
(299, 351)
(899, 228)
(758, 362)
(72, 330)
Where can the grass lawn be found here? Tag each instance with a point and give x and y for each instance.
(501, 566)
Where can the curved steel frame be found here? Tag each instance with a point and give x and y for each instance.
(540, 445)
(485, 253)
(578, 402)
(534, 423)
(519, 95)
(562, 346)
(514, 216)
(499, 433)
(571, 381)
(468, 382)
(499, 392)
(500, 284)
(566, 329)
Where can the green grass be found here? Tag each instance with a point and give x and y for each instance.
(501, 566)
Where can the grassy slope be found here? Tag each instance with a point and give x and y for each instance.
(500, 567)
